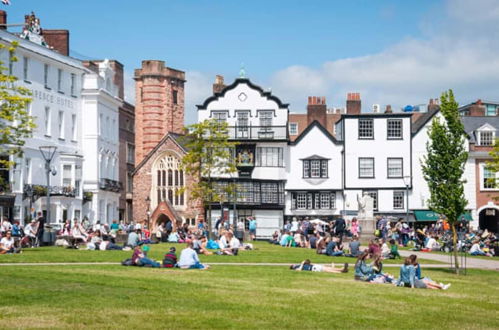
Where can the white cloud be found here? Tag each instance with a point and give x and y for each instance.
(461, 54)
(129, 86)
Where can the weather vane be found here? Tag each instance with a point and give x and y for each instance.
(242, 72)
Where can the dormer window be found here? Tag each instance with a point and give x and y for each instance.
(486, 138)
(315, 167)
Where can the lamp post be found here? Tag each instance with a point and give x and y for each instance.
(407, 182)
(48, 153)
(148, 201)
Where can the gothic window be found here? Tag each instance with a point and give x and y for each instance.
(169, 179)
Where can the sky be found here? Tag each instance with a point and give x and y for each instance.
(391, 52)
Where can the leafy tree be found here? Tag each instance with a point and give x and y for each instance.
(443, 166)
(16, 124)
(210, 154)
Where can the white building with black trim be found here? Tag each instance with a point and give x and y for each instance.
(258, 121)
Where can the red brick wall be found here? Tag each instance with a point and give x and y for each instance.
(58, 40)
(155, 111)
(142, 187)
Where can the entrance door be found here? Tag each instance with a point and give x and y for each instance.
(489, 219)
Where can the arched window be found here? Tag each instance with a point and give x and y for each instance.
(170, 195)
(170, 178)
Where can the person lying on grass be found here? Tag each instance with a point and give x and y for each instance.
(189, 259)
(408, 278)
(306, 265)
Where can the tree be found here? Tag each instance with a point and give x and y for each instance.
(210, 154)
(16, 124)
(443, 166)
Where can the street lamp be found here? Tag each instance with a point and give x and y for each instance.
(48, 153)
(148, 201)
(407, 182)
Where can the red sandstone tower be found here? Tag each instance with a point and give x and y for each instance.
(159, 105)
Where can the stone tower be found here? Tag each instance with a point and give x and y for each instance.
(159, 105)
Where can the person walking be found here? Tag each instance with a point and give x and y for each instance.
(252, 228)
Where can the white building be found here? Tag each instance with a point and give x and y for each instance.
(258, 121)
(314, 174)
(377, 156)
(100, 138)
(55, 82)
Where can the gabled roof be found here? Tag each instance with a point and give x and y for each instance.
(179, 139)
(236, 82)
(472, 123)
(421, 121)
(315, 157)
(315, 123)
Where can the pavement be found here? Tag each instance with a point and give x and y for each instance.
(470, 262)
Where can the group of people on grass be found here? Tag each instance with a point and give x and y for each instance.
(435, 237)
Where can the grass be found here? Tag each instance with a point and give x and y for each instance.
(108, 296)
(496, 258)
(264, 252)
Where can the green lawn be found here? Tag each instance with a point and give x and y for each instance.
(101, 296)
(264, 252)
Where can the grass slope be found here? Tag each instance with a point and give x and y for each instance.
(237, 297)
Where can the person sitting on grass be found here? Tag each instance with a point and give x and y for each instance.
(363, 271)
(374, 248)
(432, 244)
(204, 246)
(354, 246)
(189, 259)
(322, 244)
(394, 250)
(306, 265)
(140, 258)
(7, 244)
(477, 251)
(275, 238)
(133, 238)
(284, 239)
(385, 249)
(170, 259)
(430, 284)
(333, 248)
(229, 244)
(378, 275)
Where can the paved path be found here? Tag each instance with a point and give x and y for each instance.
(470, 261)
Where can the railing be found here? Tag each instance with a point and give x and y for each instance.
(258, 132)
(41, 190)
(110, 185)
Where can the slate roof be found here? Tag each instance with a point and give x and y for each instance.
(422, 120)
(472, 123)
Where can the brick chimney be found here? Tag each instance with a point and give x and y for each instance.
(353, 104)
(3, 20)
(477, 109)
(433, 104)
(57, 40)
(388, 109)
(219, 85)
(317, 110)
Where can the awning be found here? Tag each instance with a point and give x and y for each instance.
(428, 215)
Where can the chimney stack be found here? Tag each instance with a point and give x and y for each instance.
(317, 110)
(433, 105)
(3, 20)
(388, 109)
(477, 109)
(58, 40)
(219, 85)
(353, 104)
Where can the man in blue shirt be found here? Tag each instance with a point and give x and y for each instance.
(252, 228)
(189, 259)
